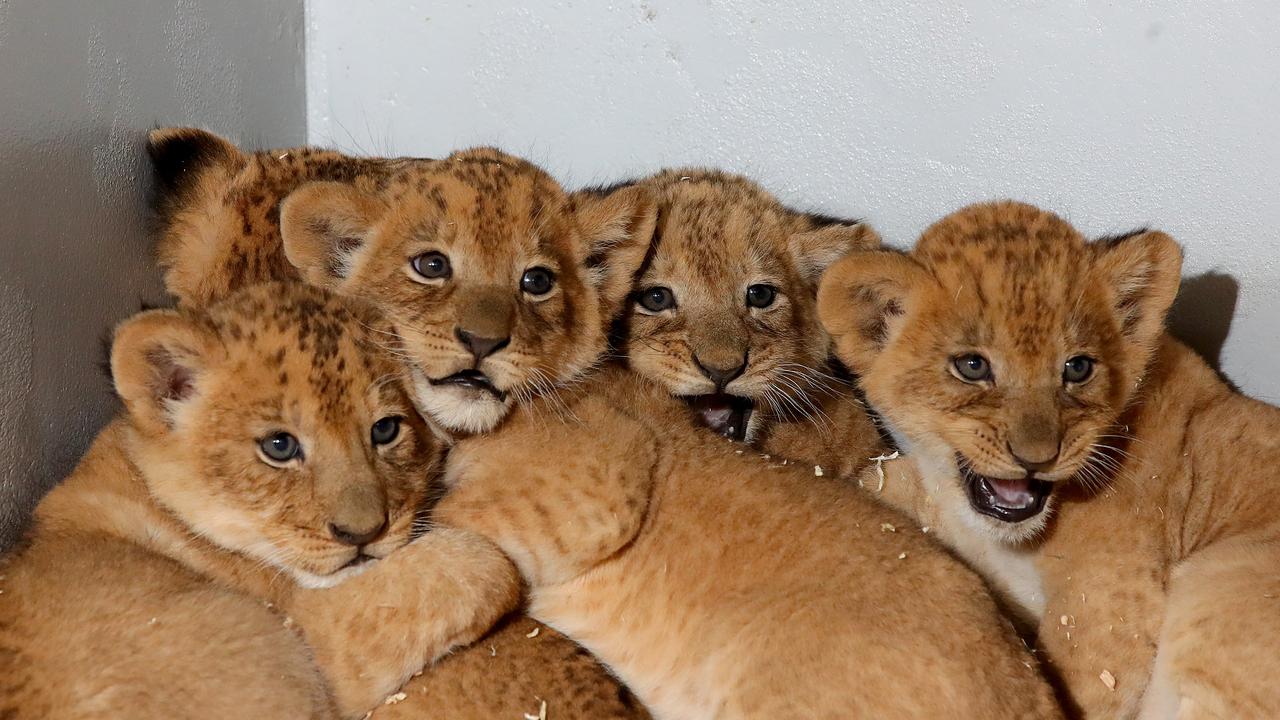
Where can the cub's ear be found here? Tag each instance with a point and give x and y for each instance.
(861, 296)
(181, 157)
(1144, 270)
(157, 358)
(618, 228)
(814, 251)
(325, 227)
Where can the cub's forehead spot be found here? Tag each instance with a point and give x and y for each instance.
(309, 350)
(1021, 272)
(492, 205)
(717, 232)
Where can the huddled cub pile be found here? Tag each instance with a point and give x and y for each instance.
(405, 397)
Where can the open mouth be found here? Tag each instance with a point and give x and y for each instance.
(728, 415)
(470, 380)
(1005, 500)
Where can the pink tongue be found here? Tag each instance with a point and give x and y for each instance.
(1012, 493)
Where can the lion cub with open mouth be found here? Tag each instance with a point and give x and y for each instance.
(237, 542)
(1119, 495)
(724, 315)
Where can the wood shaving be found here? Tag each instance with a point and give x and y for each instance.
(1108, 679)
(395, 698)
(817, 471)
(493, 651)
(879, 460)
(887, 527)
(282, 156)
(534, 632)
(288, 621)
(542, 712)
(1065, 620)
(902, 556)
(925, 529)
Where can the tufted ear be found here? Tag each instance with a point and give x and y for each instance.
(182, 157)
(325, 227)
(1144, 270)
(814, 251)
(157, 358)
(860, 298)
(618, 227)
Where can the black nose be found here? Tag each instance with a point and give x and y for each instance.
(721, 376)
(357, 536)
(480, 347)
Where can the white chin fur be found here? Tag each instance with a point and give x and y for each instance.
(311, 581)
(1012, 534)
(459, 409)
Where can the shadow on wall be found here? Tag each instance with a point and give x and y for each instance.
(1201, 314)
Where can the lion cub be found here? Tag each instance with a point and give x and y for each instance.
(234, 544)
(500, 287)
(724, 315)
(1115, 490)
(778, 595)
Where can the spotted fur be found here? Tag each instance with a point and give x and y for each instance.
(354, 225)
(179, 564)
(719, 234)
(1150, 579)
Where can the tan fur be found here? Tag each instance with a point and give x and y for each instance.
(176, 573)
(354, 224)
(1160, 563)
(230, 218)
(717, 235)
(508, 674)
(782, 596)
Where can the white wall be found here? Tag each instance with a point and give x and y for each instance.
(1116, 115)
(80, 84)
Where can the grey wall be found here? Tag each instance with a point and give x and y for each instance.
(1114, 114)
(80, 83)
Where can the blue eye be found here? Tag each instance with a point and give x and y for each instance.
(973, 367)
(1077, 369)
(657, 299)
(385, 430)
(280, 447)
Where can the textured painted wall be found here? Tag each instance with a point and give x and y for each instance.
(1161, 113)
(81, 83)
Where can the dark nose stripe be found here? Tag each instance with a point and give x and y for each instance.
(721, 376)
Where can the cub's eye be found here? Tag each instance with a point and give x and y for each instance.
(537, 281)
(385, 430)
(657, 299)
(280, 447)
(1077, 369)
(972, 367)
(431, 265)
(761, 296)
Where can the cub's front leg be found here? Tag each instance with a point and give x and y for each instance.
(557, 495)
(375, 630)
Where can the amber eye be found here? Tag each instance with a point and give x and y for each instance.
(761, 296)
(431, 265)
(385, 430)
(537, 281)
(1077, 369)
(657, 299)
(972, 367)
(280, 447)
